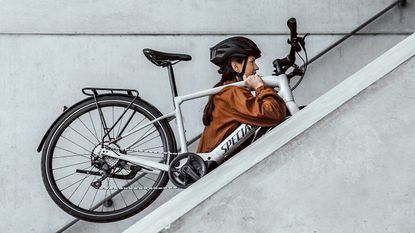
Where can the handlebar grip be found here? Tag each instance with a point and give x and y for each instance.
(292, 25)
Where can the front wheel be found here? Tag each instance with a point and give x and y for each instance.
(98, 188)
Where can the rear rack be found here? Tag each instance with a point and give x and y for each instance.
(94, 91)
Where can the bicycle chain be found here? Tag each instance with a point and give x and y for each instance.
(139, 188)
(153, 152)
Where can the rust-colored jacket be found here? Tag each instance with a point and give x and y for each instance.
(236, 105)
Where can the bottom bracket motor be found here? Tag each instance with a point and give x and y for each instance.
(186, 169)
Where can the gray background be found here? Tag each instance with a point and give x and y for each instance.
(51, 49)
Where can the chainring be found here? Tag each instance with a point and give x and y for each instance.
(186, 169)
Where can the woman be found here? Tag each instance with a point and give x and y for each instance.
(226, 110)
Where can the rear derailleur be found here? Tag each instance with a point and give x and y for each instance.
(108, 167)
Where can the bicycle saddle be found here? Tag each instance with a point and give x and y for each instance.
(163, 59)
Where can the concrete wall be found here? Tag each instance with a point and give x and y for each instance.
(50, 49)
(353, 171)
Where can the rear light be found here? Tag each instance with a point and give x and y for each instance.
(63, 108)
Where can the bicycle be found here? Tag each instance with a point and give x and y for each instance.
(110, 155)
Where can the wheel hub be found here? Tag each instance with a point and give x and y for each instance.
(101, 160)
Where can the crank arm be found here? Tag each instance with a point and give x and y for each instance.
(190, 172)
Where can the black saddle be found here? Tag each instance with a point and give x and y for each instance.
(163, 59)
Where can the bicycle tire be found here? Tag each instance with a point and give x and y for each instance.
(77, 131)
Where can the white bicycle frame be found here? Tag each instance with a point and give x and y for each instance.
(224, 148)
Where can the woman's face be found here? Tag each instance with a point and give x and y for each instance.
(250, 69)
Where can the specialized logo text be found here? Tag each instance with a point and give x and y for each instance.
(236, 137)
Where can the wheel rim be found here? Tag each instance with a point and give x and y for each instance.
(87, 200)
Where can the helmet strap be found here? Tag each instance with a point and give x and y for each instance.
(241, 74)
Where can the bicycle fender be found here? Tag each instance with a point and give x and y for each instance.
(40, 147)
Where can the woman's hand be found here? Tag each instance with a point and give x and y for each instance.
(254, 81)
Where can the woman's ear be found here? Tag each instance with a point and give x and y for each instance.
(235, 66)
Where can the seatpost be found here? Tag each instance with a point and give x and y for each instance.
(172, 81)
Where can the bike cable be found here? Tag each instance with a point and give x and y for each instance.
(305, 64)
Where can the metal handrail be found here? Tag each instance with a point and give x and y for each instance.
(400, 3)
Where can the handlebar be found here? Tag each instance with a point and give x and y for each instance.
(296, 43)
(292, 25)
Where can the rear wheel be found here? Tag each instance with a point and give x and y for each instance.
(102, 188)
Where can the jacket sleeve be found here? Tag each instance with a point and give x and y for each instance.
(266, 109)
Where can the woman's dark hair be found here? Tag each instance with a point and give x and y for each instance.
(228, 74)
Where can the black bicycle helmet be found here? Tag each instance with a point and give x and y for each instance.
(237, 46)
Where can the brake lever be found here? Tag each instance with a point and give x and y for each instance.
(302, 39)
(296, 72)
(294, 43)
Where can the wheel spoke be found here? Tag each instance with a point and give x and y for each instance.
(70, 156)
(108, 184)
(79, 119)
(105, 198)
(127, 185)
(89, 186)
(143, 137)
(93, 126)
(126, 123)
(93, 200)
(141, 185)
(73, 173)
(122, 197)
(82, 136)
(70, 165)
(136, 125)
(149, 178)
(75, 143)
(120, 123)
(72, 153)
(76, 182)
(147, 141)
